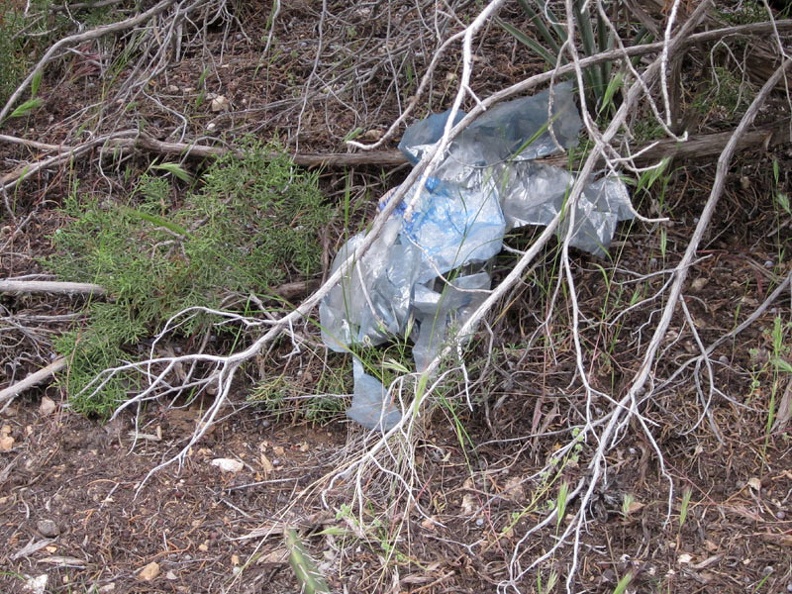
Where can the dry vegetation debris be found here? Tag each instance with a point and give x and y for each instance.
(616, 425)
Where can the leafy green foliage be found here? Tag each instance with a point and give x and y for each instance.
(728, 95)
(253, 225)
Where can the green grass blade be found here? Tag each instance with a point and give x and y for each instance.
(35, 83)
(533, 45)
(176, 170)
(304, 568)
(158, 221)
(26, 108)
(593, 75)
(537, 15)
(621, 586)
(614, 85)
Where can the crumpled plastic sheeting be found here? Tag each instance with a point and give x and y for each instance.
(371, 404)
(452, 226)
(371, 303)
(437, 312)
(536, 194)
(503, 132)
(486, 184)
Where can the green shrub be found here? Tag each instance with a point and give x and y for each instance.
(251, 226)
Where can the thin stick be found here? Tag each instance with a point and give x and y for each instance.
(33, 379)
(77, 39)
(37, 286)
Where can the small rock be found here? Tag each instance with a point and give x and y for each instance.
(6, 443)
(220, 103)
(47, 406)
(48, 528)
(699, 284)
(227, 464)
(37, 585)
(149, 572)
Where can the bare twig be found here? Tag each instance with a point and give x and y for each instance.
(32, 380)
(96, 33)
(37, 286)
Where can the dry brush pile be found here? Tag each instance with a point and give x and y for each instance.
(576, 362)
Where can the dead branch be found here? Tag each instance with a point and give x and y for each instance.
(32, 380)
(37, 286)
(696, 147)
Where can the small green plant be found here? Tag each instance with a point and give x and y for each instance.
(684, 506)
(743, 13)
(595, 37)
(308, 575)
(727, 96)
(26, 31)
(13, 63)
(627, 505)
(780, 367)
(783, 208)
(253, 225)
(561, 503)
(621, 586)
(773, 368)
(548, 586)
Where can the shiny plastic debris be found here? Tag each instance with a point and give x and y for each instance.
(427, 271)
(371, 403)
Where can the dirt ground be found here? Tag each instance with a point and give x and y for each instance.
(81, 511)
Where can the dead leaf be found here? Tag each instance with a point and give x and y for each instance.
(64, 561)
(634, 506)
(707, 562)
(513, 489)
(6, 443)
(31, 548)
(755, 483)
(784, 413)
(279, 555)
(784, 540)
(266, 464)
(469, 505)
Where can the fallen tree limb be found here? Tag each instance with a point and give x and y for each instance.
(37, 286)
(696, 147)
(32, 380)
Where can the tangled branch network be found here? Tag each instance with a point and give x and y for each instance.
(391, 455)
